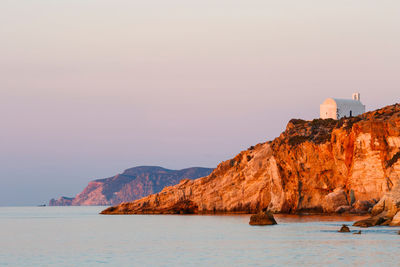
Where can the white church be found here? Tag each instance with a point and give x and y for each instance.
(334, 108)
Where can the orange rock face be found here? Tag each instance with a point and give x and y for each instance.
(313, 166)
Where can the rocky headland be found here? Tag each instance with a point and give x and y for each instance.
(132, 184)
(319, 166)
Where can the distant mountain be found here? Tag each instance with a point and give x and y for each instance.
(130, 185)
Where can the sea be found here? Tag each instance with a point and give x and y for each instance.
(80, 236)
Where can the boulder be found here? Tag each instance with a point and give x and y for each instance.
(396, 220)
(344, 229)
(262, 218)
(362, 205)
(372, 221)
(343, 209)
(335, 200)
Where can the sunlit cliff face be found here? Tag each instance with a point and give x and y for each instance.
(314, 166)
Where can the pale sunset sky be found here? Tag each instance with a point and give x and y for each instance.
(89, 88)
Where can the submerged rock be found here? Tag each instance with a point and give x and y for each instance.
(344, 229)
(262, 218)
(357, 233)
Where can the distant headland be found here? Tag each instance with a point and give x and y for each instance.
(132, 184)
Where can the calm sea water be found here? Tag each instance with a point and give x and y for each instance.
(79, 236)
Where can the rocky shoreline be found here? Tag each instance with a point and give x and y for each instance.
(349, 166)
(386, 212)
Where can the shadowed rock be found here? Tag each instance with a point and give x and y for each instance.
(180, 207)
(262, 218)
(372, 221)
(343, 209)
(363, 206)
(344, 229)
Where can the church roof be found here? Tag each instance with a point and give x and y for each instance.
(339, 101)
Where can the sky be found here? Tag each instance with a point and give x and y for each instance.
(90, 88)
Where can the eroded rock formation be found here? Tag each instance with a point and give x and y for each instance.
(386, 211)
(313, 166)
(132, 184)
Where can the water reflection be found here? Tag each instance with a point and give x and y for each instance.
(317, 218)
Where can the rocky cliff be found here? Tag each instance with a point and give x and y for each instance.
(313, 166)
(130, 185)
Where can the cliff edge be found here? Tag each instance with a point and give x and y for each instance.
(313, 166)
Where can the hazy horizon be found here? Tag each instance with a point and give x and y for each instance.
(89, 89)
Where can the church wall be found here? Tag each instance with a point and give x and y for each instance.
(327, 111)
(344, 109)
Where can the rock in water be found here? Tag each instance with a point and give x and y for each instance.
(344, 229)
(262, 218)
(373, 221)
(357, 233)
